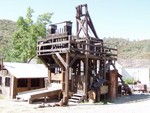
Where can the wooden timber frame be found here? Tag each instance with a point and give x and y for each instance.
(80, 58)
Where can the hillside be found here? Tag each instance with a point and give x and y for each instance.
(131, 49)
(7, 27)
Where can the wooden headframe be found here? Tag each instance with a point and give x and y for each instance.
(84, 22)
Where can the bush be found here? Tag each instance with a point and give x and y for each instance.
(129, 81)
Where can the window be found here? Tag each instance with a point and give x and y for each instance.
(35, 82)
(7, 81)
(0, 80)
(22, 83)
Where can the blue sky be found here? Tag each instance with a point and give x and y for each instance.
(128, 19)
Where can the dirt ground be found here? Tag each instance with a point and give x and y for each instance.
(137, 103)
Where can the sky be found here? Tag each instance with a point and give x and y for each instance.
(129, 19)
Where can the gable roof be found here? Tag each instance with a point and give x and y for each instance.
(26, 70)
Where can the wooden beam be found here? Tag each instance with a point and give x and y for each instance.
(13, 87)
(73, 60)
(104, 68)
(53, 36)
(90, 23)
(57, 60)
(113, 65)
(84, 30)
(50, 51)
(61, 60)
(49, 76)
(53, 43)
(81, 27)
(85, 83)
(66, 93)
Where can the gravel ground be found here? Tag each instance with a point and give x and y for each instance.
(136, 103)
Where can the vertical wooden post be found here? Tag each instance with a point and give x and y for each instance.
(13, 87)
(29, 83)
(95, 66)
(78, 79)
(86, 12)
(98, 90)
(77, 24)
(73, 75)
(49, 76)
(66, 94)
(63, 80)
(104, 68)
(85, 84)
(69, 76)
(113, 78)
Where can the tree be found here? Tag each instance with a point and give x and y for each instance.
(25, 38)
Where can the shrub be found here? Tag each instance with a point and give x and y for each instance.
(129, 81)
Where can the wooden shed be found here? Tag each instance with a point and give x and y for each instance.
(18, 77)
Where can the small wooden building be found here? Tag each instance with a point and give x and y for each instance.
(18, 77)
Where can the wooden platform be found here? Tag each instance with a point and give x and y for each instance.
(39, 93)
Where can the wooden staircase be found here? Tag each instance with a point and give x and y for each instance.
(76, 98)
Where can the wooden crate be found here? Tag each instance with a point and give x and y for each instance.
(103, 89)
(56, 77)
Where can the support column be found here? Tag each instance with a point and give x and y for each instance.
(66, 93)
(104, 68)
(98, 90)
(13, 87)
(85, 84)
(29, 83)
(49, 76)
(78, 78)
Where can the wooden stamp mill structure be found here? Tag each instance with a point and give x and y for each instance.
(80, 63)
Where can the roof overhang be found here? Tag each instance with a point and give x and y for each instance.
(25, 70)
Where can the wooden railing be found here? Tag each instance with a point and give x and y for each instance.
(65, 43)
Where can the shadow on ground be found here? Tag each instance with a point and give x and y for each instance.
(138, 97)
(123, 99)
(131, 98)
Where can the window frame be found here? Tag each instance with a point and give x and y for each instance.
(7, 81)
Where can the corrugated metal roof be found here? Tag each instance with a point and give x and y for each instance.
(26, 70)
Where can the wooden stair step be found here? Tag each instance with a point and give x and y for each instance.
(75, 97)
(74, 100)
(78, 95)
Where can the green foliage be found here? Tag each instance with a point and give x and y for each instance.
(25, 38)
(129, 81)
(7, 28)
(44, 19)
